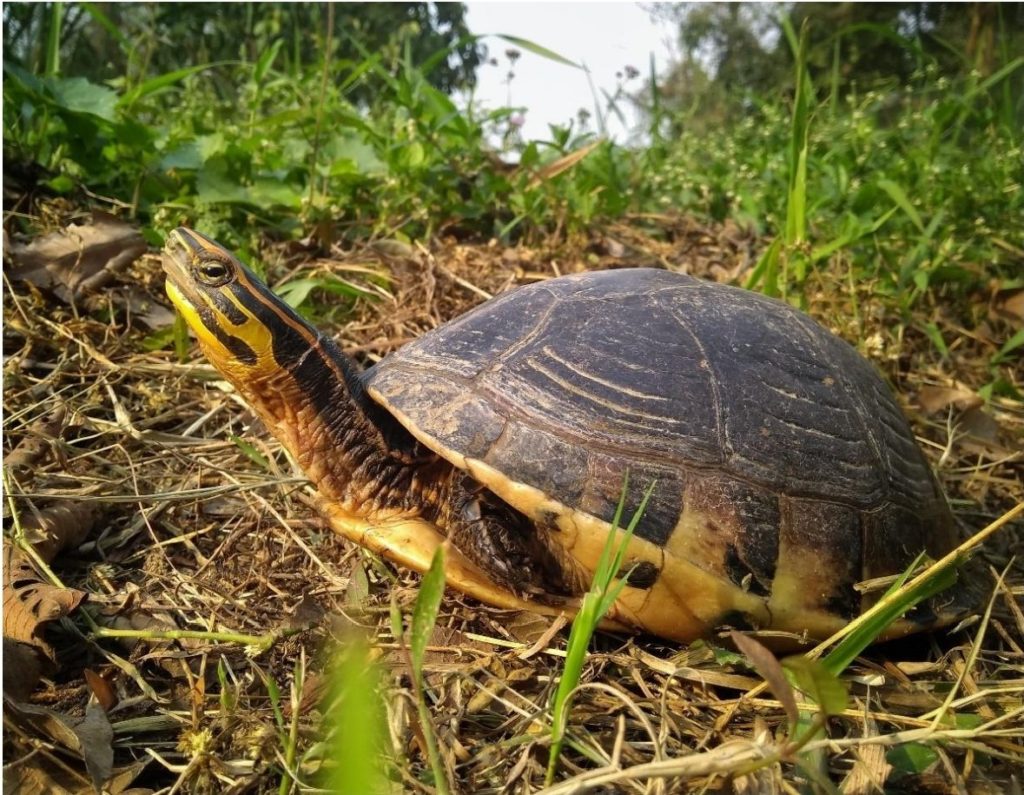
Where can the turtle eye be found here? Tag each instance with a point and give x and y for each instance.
(213, 273)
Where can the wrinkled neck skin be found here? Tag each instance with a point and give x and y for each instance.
(352, 451)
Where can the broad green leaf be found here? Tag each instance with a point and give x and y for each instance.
(825, 688)
(187, 157)
(266, 193)
(911, 757)
(211, 145)
(213, 187)
(80, 96)
(424, 612)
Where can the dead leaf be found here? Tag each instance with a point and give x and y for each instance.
(980, 433)
(102, 689)
(79, 259)
(770, 668)
(934, 399)
(91, 737)
(29, 602)
(1012, 308)
(96, 738)
(62, 526)
(562, 164)
(22, 668)
(38, 437)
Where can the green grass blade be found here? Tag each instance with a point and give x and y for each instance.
(159, 82)
(266, 60)
(897, 194)
(356, 725)
(104, 22)
(596, 603)
(424, 613)
(766, 273)
(52, 67)
(887, 611)
(537, 49)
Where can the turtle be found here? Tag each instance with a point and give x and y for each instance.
(778, 469)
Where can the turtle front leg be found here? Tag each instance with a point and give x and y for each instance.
(505, 544)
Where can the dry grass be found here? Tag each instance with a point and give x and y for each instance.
(197, 532)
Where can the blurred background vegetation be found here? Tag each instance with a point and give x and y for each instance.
(887, 135)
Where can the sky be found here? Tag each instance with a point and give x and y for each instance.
(606, 37)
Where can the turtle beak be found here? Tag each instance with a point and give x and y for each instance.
(182, 249)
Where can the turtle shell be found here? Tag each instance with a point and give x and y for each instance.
(783, 471)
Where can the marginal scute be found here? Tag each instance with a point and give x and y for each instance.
(529, 452)
(820, 558)
(730, 528)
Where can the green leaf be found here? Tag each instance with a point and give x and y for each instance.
(537, 49)
(424, 612)
(766, 273)
(181, 337)
(818, 683)
(911, 758)
(187, 156)
(163, 81)
(62, 183)
(935, 335)
(159, 339)
(267, 193)
(213, 187)
(878, 619)
(266, 60)
(1016, 341)
(897, 195)
(357, 724)
(250, 452)
(80, 96)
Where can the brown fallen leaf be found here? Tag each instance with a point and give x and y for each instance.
(61, 526)
(1012, 308)
(30, 602)
(91, 737)
(934, 399)
(38, 437)
(80, 258)
(22, 669)
(766, 664)
(980, 433)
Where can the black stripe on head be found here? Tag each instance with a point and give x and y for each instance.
(312, 360)
(227, 307)
(239, 348)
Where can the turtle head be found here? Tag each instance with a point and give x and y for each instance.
(231, 313)
(305, 389)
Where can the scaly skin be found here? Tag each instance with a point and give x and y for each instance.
(310, 397)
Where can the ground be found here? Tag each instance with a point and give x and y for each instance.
(186, 615)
